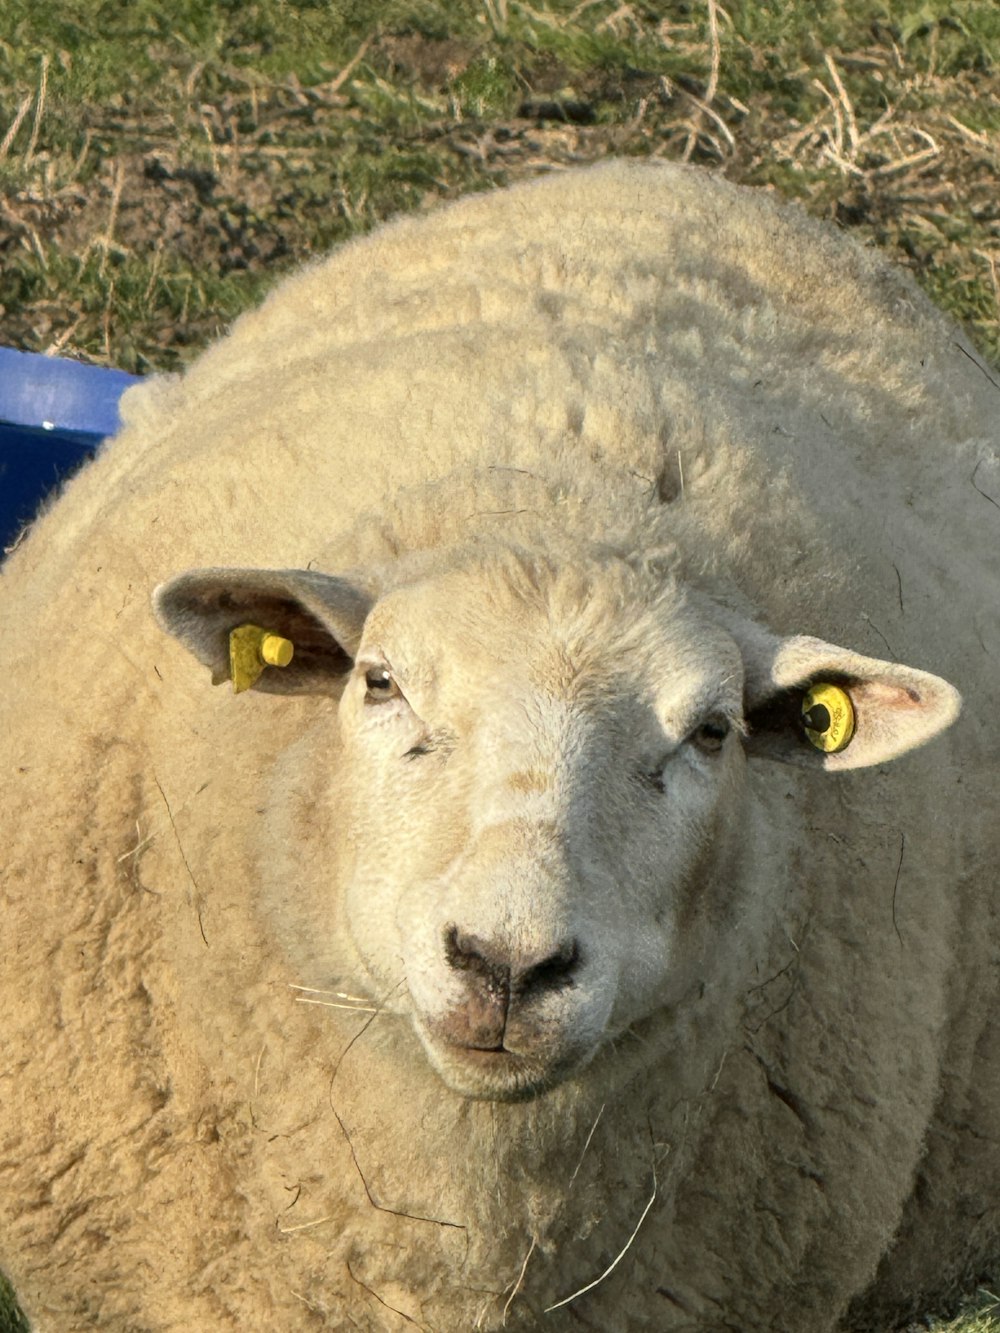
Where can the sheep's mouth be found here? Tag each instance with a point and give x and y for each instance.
(497, 1073)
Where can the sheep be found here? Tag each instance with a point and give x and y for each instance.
(566, 924)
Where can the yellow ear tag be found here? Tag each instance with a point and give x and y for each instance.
(828, 718)
(251, 649)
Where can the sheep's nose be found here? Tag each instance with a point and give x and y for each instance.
(497, 978)
(495, 964)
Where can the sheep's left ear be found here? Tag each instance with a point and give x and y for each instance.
(884, 709)
(312, 623)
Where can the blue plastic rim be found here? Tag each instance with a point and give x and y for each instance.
(53, 415)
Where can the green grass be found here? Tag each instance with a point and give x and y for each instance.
(199, 148)
(11, 1318)
(163, 161)
(980, 1314)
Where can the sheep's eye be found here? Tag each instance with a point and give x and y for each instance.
(379, 686)
(711, 734)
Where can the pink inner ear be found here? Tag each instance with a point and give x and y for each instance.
(897, 707)
(894, 717)
(885, 695)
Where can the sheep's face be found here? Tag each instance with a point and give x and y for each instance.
(535, 824)
(543, 778)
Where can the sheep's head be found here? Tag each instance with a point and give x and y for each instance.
(540, 786)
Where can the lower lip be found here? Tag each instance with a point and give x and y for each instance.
(484, 1055)
(490, 1073)
(503, 1072)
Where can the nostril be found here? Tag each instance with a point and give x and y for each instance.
(552, 973)
(458, 948)
(478, 1019)
(487, 967)
(467, 953)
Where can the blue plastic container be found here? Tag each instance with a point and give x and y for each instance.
(53, 415)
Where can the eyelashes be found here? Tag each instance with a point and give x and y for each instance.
(380, 687)
(711, 735)
(708, 737)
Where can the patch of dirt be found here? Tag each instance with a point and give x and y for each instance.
(433, 62)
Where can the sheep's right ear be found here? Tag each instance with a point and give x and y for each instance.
(320, 615)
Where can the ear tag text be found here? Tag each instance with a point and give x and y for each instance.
(828, 718)
(251, 649)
